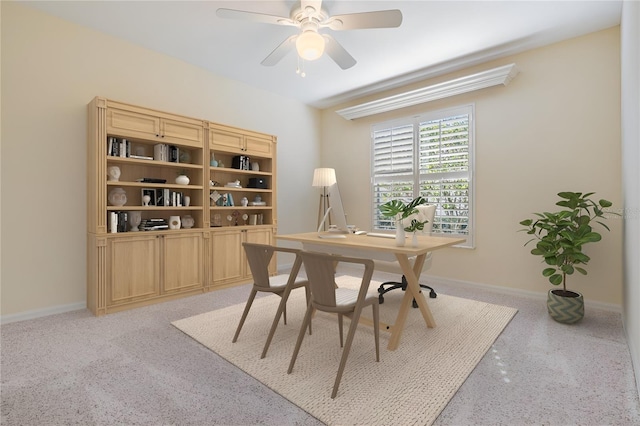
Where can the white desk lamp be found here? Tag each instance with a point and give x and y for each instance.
(323, 178)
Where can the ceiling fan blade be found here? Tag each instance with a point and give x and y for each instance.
(338, 53)
(254, 17)
(357, 21)
(280, 51)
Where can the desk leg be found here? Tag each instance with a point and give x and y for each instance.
(412, 292)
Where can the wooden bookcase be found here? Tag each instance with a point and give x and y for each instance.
(127, 269)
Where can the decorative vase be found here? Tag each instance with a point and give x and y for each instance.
(414, 239)
(187, 221)
(174, 222)
(182, 180)
(400, 238)
(213, 162)
(145, 200)
(567, 308)
(187, 201)
(117, 197)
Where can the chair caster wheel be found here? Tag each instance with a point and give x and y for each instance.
(380, 299)
(414, 303)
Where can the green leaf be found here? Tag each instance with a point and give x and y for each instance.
(527, 222)
(548, 272)
(605, 203)
(555, 279)
(567, 195)
(392, 208)
(582, 271)
(592, 237)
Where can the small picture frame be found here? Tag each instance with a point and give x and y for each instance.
(152, 195)
(160, 197)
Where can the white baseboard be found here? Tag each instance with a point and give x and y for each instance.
(519, 292)
(542, 295)
(39, 313)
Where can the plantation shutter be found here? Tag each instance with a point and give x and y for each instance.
(393, 168)
(431, 156)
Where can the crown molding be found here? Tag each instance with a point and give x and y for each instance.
(493, 77)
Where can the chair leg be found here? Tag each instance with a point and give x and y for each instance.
(244, 314)
(307, 318)
(282, 307)
(340, 329)
(308, 296)
(345, 351)
(376, 329)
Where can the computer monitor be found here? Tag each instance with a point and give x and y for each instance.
(338, 218)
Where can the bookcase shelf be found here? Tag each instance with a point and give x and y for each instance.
(130, 269)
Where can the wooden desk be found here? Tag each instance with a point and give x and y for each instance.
(384, 249)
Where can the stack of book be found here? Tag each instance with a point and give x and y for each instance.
(118, 222)
(153, 224)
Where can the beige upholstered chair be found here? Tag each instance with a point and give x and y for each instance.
(327, 297)
(425, 212)
(259, 256)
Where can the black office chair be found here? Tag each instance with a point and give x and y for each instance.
(424, 212)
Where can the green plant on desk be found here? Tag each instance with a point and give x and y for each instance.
(398, 210)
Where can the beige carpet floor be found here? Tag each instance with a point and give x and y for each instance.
(411, 385)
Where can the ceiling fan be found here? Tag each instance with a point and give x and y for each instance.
(310, 17)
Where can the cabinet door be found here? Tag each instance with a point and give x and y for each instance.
(227, 256)
(182, 133)
(133, 269)
(258, 146)
(182, 262)
(129, 123)
(219, 139)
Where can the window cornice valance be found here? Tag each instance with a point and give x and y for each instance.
(496, 76)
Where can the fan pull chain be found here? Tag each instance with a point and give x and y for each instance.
(300, 68)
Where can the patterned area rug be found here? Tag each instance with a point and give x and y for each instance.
(411, 385)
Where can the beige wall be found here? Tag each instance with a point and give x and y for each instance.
(555, 127)
(51, 69)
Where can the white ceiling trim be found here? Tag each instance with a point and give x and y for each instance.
(493, 77)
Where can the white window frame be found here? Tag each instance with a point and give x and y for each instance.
(414, 174)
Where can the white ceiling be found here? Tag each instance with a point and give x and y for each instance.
(435, 37)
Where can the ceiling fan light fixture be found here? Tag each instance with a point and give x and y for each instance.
(310, 45)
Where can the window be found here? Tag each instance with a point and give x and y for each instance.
(430, 155)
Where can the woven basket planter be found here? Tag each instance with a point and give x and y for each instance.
(565, 309)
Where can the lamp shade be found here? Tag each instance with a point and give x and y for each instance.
(310, 45)
(324, 177)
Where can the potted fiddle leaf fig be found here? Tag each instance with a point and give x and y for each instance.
(560, 238)
(399, 211)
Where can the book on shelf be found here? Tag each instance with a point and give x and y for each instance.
(118, 147)
(118, 222)
(151, 180)
(153, 224)
(174, 154)
(141, 157)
